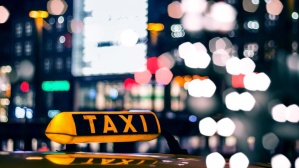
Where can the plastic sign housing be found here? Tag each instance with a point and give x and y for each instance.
(82, 127)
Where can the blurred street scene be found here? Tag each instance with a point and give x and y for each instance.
(222, 76)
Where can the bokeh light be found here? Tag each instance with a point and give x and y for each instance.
(152, 64)
(143, 77)
(175, 10)
(270, 141)
(292, 113)
(274, 7)
(239, 160)
(4, 14)
(280, 161)
(279, 113)
(163, 76)
(225, 127)
(250, 5)
(207, 126)
(56, 7)
(201, 88)
(235, 101)
(166, 60)
(215, 160)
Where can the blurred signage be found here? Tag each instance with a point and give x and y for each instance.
(51, 86)
(113, 37)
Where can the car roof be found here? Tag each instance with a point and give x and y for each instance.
(23, 159)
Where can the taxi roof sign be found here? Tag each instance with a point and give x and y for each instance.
(82, 127)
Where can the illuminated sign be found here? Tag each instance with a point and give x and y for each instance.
(113, 37)
(79, 127)
(90, 159)
(50, 86)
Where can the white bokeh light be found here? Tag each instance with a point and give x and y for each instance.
(297, 163)
(247, 101)
(257, 82)
(192, 22)
(235, 101)
(232, 101)
(197, 59)
(238, 160)
(194, 6)
(201, 88)
(215, 160)
(225, 127)
(207, 126)
(280, 161)
(247, 66)
(264, 81)
(220, 57)
(292, 113)
(184, 49)
(235, 66)
(279, 113)
(223, 12)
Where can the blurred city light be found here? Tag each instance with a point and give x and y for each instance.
(280, 161)
(250, 5)
(215, 160)
(163, 76)
(257, 82)
(53, 113)
(274, 7)
(297, 163)
(238, 160)
(270, 141)
(225, 127)
(207, 126)
(235, 101)
(38, 14)
(152, 64)
(175, 10)
(143, 77)
(201, 88)
(56, 7)
(166, 60)
(235, 66)
(4, 14)
(194, 6)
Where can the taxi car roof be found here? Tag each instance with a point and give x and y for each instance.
(111, 160)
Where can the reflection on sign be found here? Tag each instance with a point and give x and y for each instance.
(99, 159)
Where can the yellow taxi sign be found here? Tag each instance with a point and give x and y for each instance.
(81, 127)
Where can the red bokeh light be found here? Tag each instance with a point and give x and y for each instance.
(24, 87)
(238, 81)
(128, 83)
(152, 64)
